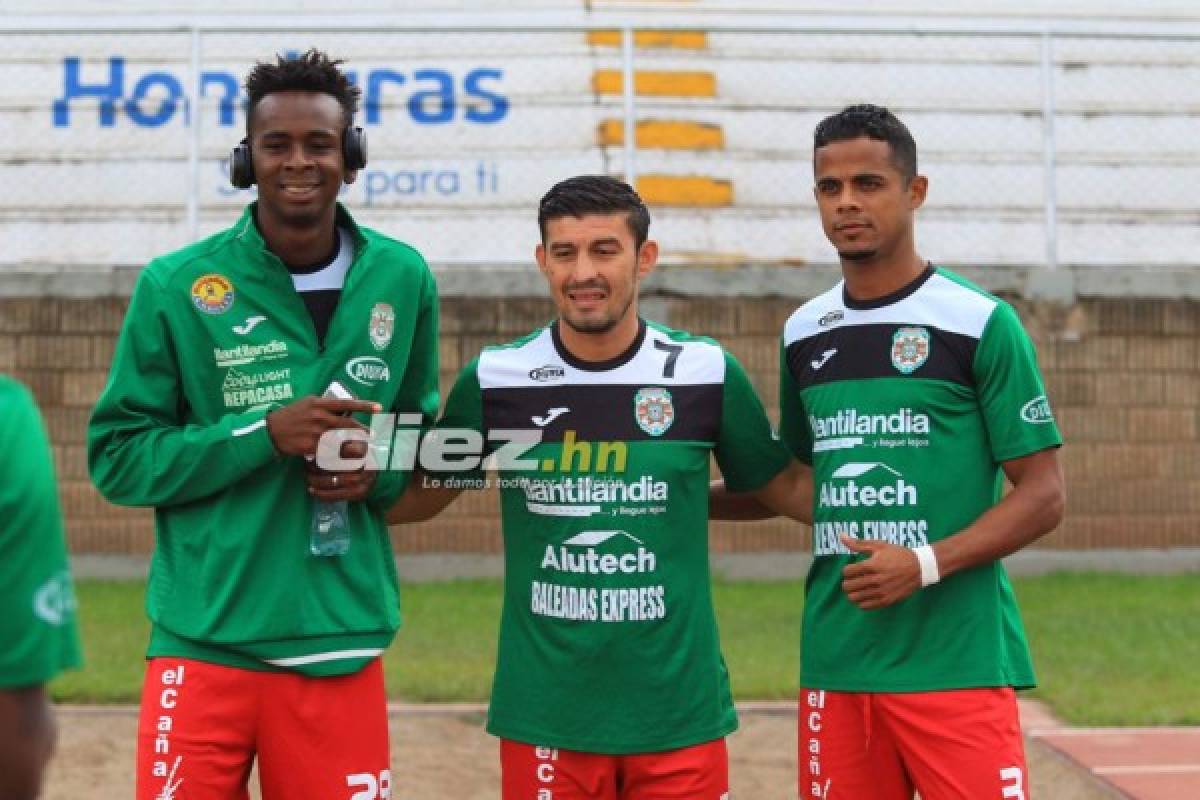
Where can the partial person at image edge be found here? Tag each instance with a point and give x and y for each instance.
(38, 626)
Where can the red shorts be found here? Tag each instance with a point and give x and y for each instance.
(700, 772)
(950, 745)
(201, 726)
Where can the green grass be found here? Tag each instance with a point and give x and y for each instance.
(114, 630)
(1109, 649)
(1116, 649)
(446, 648)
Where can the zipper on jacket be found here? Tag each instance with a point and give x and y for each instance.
(318, 347)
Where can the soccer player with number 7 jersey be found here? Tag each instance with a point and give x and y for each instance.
(609, 683)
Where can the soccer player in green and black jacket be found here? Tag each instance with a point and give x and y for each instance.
(609, 679)
(258, 646)
(38, 629)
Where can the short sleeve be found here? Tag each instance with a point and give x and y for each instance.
(461, 418)
(37, 602)
(793, 423)
(1012, 396)
(748, 452)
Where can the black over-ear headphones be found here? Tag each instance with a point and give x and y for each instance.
(354, 155)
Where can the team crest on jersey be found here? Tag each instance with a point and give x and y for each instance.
(383, 324)
(910, 349)
(653, 410)
(212, 294)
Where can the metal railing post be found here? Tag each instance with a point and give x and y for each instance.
(1049, 156)
(629, 92)
(195, 112)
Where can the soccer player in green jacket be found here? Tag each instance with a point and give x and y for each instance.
(261, 643)
(609, 678)
(38, 636)
(913, 394)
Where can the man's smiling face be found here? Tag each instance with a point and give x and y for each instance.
(296, 144)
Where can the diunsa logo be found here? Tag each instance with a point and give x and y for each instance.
(54, 601)
(1037, 411)
(547, 373)
(368, 370)
(832, 318)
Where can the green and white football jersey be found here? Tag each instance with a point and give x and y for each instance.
(608, 642)
(906, 406)
(39, 635)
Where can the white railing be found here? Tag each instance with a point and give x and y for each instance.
(1045, 40)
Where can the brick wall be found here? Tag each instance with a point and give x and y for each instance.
(1123, 375)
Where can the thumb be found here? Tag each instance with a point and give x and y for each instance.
(861, 545)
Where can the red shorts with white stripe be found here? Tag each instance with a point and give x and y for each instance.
(700, 772)
(201, 726)
(964, 743)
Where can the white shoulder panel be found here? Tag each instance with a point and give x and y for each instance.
(807, 320)
(538, 364)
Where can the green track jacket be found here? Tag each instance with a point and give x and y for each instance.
(215, 337)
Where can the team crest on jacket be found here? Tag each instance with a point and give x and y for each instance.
(212, 293)
(653, 410)
(383, 323)
(910, 349)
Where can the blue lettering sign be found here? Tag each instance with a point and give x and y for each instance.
(499, 103)
(433, 106)
(166, 105)
(375, 83)
(156, 96)
(227, 108)
(108, 93)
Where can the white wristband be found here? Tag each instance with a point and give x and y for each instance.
(929, 565)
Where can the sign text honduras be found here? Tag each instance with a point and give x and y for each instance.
(151, 99)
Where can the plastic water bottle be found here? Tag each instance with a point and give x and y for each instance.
(330, 532)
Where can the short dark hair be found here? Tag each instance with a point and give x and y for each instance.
(312, 72)
(874, 122)
(595, 194)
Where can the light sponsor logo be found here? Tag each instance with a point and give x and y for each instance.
(172, 682)
(242, 389)
(250, 324)
(249, 353)
(813, 722)
(368, 370)
(831, 318)
(54, 600)
(235, 379)
(547, 373)
(846, 492)
(589, 604)
(850, 428)
(1037, 411)
(827, 536)
(586, 496)
(550, 415)
(817, 363)
(579, 555)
